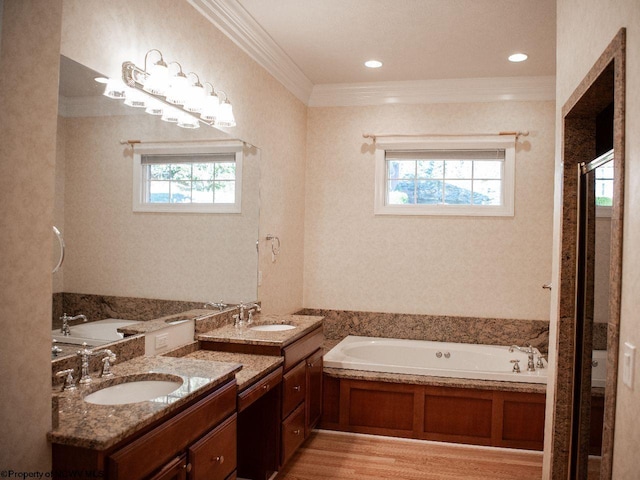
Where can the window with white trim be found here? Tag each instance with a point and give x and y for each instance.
(471, 176)
(187, 178)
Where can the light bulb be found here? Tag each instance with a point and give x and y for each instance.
(178, 88)
(157, 82)
(195, 98)
(225, 115)
(115, 89)
(134, 98)
(187, 121)
(171, 115)
(210, 107)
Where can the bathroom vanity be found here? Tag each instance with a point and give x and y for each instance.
(190, 430)
(301, 351)
(248, 399)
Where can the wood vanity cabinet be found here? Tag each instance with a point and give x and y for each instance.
(196, 443)
(301, 405)
(301, 392)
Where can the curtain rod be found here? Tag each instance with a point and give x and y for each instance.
(131, 143)
(407, 135)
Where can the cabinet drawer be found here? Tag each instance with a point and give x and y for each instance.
(293, 388)
(144, 455)
(256, 391)
(292, 433)
(302, 348)
(214, 456)
(176, 469)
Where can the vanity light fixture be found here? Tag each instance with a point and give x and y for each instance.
(164, 90)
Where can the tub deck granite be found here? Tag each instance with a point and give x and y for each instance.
(99, 427)
(435, 381)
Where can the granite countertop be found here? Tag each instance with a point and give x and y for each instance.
(99, 427)
(254, 367)
(164, 322)
(230, 334)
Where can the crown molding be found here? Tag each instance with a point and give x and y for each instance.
(236, 23)
(458, 90)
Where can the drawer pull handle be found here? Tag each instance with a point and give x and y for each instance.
(265, 387)
(296, 432)
(297, 388)
(219, 459)
(188, 467)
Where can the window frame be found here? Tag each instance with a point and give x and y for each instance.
(502, 142)
(227, 147)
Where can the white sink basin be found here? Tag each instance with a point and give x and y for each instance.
(272, 328)
(133, 392)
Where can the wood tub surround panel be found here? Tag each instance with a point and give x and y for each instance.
(466, 415)
(448, 414)
(376, 409)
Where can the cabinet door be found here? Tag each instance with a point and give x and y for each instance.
(174, 470)
(294, 387)
(213, 457)
(314, 392)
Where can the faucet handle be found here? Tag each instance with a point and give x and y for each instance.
(106, 364)
(539, 362)
(69, 381)
(516, 366)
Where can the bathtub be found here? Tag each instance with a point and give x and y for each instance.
(439, 359)
(93, 333)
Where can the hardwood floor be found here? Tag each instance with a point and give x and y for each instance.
(347, 456)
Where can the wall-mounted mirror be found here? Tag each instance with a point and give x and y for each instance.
(114, 252)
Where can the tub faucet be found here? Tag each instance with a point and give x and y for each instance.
(531, 366)
(65, 329)
(219, 305)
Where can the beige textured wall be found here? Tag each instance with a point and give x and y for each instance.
(475, 266)
(585, 28)
(30, 43)
(102, 35)
(113, 251)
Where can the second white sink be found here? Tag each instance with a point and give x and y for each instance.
(272, 328)
(133, 392)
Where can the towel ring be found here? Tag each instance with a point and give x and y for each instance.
(61, 243)
(275, 246)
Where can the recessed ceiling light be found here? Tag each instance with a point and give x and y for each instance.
(373, 64)
(518, 57)
(101, 79)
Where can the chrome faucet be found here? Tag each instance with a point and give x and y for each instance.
(84, 364)
(531, 366)
(219, 305)
(249, 308)
(65, 329)
(108, 359)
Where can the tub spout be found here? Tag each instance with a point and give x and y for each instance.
(65, 329)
